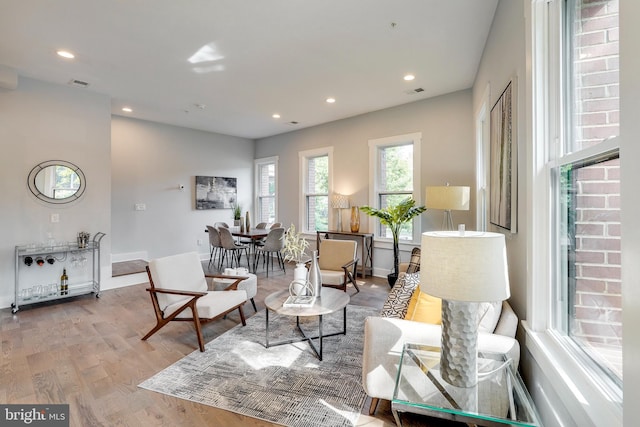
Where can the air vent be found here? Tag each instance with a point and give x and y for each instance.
(78, 83)
(414, 91)
(293, 123)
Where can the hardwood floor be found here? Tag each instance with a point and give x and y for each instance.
(87, 352)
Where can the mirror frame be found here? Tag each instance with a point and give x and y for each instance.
(31, 181)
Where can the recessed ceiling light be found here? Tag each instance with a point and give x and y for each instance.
(65, 54)
(409, 77)
(127, 109)
(276, 116)
(331, 100)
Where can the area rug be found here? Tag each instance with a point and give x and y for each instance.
(286, 384)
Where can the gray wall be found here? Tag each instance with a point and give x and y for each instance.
(149, 163)
(39, 122)
(447, 155)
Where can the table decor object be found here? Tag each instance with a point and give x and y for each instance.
(463, 268)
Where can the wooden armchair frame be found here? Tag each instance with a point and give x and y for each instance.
(350, 269)
(191, 303)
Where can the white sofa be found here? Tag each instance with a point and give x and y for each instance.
(385, 337)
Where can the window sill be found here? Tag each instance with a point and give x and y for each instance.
(587, 403)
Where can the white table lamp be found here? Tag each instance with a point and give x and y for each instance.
(448, 198)
(463, 268)
(340, 201)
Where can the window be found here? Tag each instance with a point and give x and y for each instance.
(315, 166)
(395, 166)
(266, 188)
(575, 251)
(585, 190)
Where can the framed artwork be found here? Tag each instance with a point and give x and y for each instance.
(215, 192)
(503, 162)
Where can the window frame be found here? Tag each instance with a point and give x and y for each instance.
(258, 164)
(304, 157)
(375, 146)
(572, 381)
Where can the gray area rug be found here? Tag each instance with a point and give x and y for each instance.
(285, 384)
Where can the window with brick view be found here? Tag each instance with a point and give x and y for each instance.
(589, 196)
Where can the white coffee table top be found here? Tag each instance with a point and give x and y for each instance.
(330, 300)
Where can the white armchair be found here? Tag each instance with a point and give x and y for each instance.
(178, 282)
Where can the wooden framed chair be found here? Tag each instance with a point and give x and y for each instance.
(338, 263)
(178, 283)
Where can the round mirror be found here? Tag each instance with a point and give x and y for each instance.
(56, 181)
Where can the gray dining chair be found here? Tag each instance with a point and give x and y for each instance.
(231, 248)
(273, 245)
(215, 245)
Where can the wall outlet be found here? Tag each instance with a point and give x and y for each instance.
(199, 242)
(55, 217)
(141, 207)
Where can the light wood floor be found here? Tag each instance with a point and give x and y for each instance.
(87, 352)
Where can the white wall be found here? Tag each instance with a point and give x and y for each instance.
(447, 155)
(39, 122)
(149, 161)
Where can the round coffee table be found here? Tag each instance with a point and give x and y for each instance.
(330, 301)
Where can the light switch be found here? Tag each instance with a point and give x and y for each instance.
(141, 207)
(55, 217)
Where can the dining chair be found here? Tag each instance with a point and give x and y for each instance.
(221, 224)
(273, 244)
(215, 245)
(178, 283)
(276, 225)
(231, 248)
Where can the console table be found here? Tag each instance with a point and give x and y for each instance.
(365, 264)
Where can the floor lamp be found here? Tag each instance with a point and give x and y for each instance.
(340, 201)
(447, 198)
(462, 268)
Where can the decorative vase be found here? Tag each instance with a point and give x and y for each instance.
(248, 222)
(299, 284)
(355, 219)
(315, 279)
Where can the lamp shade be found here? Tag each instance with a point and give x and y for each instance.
(340, 201)
(453, 198)
(469, 266)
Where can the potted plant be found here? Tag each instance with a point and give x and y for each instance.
(237, 214)
(394, 217)
(294, 249)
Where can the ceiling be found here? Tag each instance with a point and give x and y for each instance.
(227, 66)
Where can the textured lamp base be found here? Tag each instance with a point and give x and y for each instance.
(458, 360)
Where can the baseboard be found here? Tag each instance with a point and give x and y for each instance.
(129, 256)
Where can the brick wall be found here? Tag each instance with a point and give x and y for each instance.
(598, 300)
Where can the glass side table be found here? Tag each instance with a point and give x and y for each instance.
(499, 398)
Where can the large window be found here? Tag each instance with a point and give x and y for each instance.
(315, 168)
(396, 169)
(585, 193)
(266, 171)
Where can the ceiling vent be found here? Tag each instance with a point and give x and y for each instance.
(78, 83)
(293, 123)
(414, 91)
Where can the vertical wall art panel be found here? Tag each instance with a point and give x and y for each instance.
(502, 184)
(215, 192)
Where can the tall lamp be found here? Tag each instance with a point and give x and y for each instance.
(340, 201)
(462, 268)
(448, 198)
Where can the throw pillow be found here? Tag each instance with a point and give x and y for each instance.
(489, 315)
(424, 308)
(414, 263)
(398, 300)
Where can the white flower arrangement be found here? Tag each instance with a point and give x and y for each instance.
(294, 245)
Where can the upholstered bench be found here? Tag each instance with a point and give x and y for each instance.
(410, 315)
